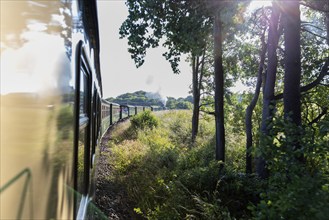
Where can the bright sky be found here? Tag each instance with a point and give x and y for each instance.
(119, 73)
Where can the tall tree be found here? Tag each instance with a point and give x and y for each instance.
(219, 89)
(197, 76)
(251, 106)
(219, 9)
(183, 25)
(269, 84)
(292, 60)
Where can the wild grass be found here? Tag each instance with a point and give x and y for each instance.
(168, 177)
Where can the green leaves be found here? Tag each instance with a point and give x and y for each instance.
(183, 25)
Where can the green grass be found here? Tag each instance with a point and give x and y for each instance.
(168, 177)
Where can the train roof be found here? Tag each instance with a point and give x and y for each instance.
(90, 19)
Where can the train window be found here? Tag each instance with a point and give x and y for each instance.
(82, 128)
(94, 126)
(81, 181)
(83, 90)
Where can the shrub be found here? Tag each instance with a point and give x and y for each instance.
(298, 183)
(144, 120)
(167, 178)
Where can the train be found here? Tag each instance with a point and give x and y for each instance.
(53, 114)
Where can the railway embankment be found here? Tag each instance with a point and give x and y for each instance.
(149, 168)
(111, 197)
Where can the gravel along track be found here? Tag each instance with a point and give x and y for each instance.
(111, 198)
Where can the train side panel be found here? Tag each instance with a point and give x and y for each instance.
(50, 108)
(115, 113)
(36, 112)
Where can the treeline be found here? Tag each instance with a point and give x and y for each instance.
(284, 58)
(281, 51)
(142, 98)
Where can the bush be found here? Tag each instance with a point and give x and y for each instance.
(298, 183)
(168, 178)
(144, 120)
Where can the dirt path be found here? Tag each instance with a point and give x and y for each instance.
(111, 198)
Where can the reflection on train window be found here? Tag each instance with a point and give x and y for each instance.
(84, 136)
(83, 93)
(81, 158)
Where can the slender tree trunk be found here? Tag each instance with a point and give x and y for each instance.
(196, 97)
(252, 105)
(268, 96)
(327, 23)
(292, 61)
(219, 90)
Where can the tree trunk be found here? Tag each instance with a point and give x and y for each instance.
(268, 96)
(219, 90)
(292, 61)
(196, 97)
(252, 105)
(327, 23)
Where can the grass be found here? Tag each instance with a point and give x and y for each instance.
(168, 177)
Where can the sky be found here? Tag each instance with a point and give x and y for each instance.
(119, 73)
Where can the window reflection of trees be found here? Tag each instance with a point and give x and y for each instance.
(50, 17)
(81, 155)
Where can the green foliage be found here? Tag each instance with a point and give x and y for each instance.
(64, 121)
(180, 103)
(170, 178)
(138, 98)
(183, 25)
(144, 120)
(142, 98)
(298, 166)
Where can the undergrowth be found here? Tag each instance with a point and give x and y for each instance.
(168, 177)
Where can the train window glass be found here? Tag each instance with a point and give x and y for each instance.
(83, 128)
(83, 90)
(81, 165)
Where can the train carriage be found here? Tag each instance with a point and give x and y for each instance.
(131, 110)
(124, 111)
(50, 108)
(52, 112)
(106, 116)
(115, 113)
(139, 109)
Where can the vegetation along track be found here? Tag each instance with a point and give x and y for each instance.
(111, 198)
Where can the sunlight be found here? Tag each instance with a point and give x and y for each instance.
(258, 4)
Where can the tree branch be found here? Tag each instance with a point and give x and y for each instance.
(315, 120)
(304, 29)
(317, 81)
(314, 7)
(206, 104)
(210, 113)
(310, 24)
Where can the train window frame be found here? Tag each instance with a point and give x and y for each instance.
(83, 119)
(94, 119)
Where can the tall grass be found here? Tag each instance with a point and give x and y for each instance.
(168, 177)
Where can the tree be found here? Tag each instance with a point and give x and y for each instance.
(219, 90)
(291, 94)
(251, 106)
(183, 25)
(269, 84)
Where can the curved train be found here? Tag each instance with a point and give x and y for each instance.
(52, 112)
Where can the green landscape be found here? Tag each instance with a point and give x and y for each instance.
(167, 176)
(142, 98)
(262, 153)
